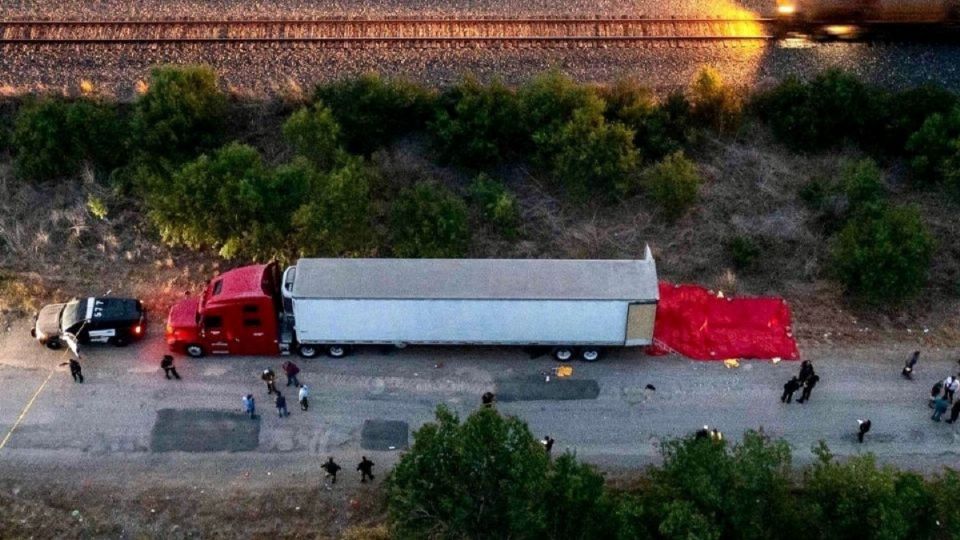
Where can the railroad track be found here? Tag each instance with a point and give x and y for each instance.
(387, 31)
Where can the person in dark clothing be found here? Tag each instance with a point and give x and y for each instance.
(270, 378)
(547, 443)
(331, 469)
(911, 363)
(806, 371)
(366, 469)
(282, 405)
(865, 426)
(788, 389)
(808, 387)
(702, 433)
(487, 399)
(934, 392)
(291, 370)
(954, 412)
(75, 370)
(168, 368)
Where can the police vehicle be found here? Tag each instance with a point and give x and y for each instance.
(117, 321)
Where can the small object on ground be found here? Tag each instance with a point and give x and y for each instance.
(864, 428)
(366, 469)
(438, 365)
(563, 371)
(168, 368)
(731, 363)
(331, 468)
(651, 387)
(775, 360)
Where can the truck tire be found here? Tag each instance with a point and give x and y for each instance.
(562, 354)
(337, 351)
(308, 351)
(54, 344)
(590, 354)
(194, 350)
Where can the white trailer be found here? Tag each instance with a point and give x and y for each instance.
(575, 307)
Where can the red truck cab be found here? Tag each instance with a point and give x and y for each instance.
(238, 313)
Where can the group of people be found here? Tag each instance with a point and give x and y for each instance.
(268, 376)
(940, 403)
(807, 379)
(331, 468)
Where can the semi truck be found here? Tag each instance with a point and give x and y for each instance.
(574, 308)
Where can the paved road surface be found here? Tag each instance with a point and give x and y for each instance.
(112, 428)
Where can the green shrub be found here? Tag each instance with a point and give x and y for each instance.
(54, 138)
(428, 221)
(495, 204)
(594, 157)
(883, 256)
(745, 252)
(335, 220)
(833, 109)
(315, 135)
(930, 147)
(658, 129)
(228, 200)
(476, 124)
(373, 110)
(181, 115)
(863, 186)
(674, 184)
(714, 104)
(951, 171)
(908, 110)
(549, 102)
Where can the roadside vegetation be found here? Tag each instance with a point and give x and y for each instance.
(326, 179)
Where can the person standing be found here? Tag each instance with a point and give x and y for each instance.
(788, 389)
(950, 387)
(487, 399)
(75, 370)
(939, 407)
(935, 392)
(911, 363)
(366, 469)
(547, 443)
(291, 370)
(865, 426)
(331, 469)
(302, 397)
(806, 371)
(808, 386)
(282, 405)
(250, 405)
(168, 367)
(270, 378)
(954, 412)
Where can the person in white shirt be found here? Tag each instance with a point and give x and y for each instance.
(950, 386)
(302, 396)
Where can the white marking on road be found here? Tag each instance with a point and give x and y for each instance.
(25, 410)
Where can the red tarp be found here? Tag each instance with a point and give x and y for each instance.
(698, 324)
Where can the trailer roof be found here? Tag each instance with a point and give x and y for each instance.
(520, 279)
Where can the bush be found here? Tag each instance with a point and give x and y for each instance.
(373, 110)
(593, 156)
(315, 135)
(428, 221)
(228, 200)
(658, 129)
(863, 186)
(745, 252)
(54, 138)
(930, 147)
(335, 219)
(495, 204)
(882, 256)
(547, 103)
(908, 110)
(951, 171)
(673, 184)
(476, 125)
(180, 116)
(831, 110)
(715, 105)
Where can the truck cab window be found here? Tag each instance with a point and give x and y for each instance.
(213, 321)
(250, 308)
(217, 287)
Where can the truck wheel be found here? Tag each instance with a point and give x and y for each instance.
(562, 354)
(308, 351)
(590, 354)
(53, 344)
(194, 350)
(336, 351)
